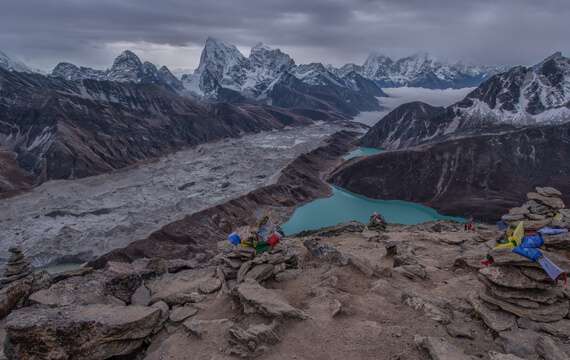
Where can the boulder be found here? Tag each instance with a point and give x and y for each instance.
(210, 285)
(441, 349)
(511, 277)
(250, 342)
(546, 313)
(260, 272)
(141, 296)
(78, 332)
(181, 313)
(217, 328)
(435, 309)
(493, 355)
(79, 290)
(519, 342)
(460, 329)
(496, 320)
(548, 350)
(559, 329)
(256, 298)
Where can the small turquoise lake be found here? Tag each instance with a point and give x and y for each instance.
(362, 151)
(344, 206)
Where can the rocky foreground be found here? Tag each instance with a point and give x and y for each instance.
(347, 292)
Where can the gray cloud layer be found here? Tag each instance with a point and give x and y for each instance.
(171, 32)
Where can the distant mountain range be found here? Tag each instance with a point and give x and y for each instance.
(272, 77)
(64, 129)
(522, 96)
(476, 157)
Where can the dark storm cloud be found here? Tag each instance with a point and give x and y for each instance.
(91, 32)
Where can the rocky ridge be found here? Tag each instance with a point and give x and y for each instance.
(478, 175)
(76, 129)
(408, 292)
(127, 67)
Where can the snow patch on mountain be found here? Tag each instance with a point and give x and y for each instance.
(523, 95)
(10, 64)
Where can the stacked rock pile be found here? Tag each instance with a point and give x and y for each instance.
(543, 208)
(520, 287)
(240, 264)
(17, 268)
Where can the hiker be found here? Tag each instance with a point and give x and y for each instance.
(470, 225)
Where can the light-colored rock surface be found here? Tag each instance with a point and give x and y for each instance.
(256, 298)
(78, 332)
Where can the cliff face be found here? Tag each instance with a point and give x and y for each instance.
(300, 182)
(481, 175)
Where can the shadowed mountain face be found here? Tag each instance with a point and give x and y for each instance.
(63, 129)
(480, 175)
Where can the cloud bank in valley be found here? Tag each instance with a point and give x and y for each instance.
(399, 96)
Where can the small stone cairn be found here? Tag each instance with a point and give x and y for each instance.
(517, 288)
(17, 268)
(543, 208)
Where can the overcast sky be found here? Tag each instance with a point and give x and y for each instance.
(172, 32)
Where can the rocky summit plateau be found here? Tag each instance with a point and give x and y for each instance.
(262, 202)
(407, 292)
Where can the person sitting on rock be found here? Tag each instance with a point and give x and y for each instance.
(377, 222)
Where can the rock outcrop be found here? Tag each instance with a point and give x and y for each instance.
(78, 332)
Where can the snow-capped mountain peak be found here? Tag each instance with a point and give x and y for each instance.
(523, 95)
(12, 65)
(127, 67)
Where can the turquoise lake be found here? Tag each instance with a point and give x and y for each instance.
(362, 151)
(344, 206)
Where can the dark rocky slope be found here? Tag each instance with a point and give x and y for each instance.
(63, 129)
(299, 182)
(481, 175)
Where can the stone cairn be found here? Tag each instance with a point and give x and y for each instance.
(17, 268)
(543, 208)
(239, 264)
(515, 287)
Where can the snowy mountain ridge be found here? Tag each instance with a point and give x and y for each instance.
(420, 70)
(13, 65)
(127, 67)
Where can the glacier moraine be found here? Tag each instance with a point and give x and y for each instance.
(94, 215)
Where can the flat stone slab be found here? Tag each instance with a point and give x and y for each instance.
(511, 277)
(496, 320)
(547, 313)
(256, 298)
(441, 349)
(181, 313)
